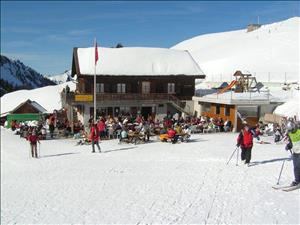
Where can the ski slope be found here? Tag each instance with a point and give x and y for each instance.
(154, 183)
(271, 53)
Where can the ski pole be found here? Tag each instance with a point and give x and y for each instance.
(39, 150)
(280, 172)
(232, 155)
(237, 157)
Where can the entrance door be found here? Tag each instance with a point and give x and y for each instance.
(146, 111)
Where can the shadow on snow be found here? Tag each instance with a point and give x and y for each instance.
(268, 161)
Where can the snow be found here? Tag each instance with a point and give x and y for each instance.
(290, 108)
(271, 53)
(7, 71)
(154, 183)
(137, 61)
(241, 96)
(60, 78)
(272, 95)
(48, 97)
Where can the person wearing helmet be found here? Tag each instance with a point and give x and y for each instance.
(294, 146)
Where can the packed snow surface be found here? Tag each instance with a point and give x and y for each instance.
(48, 97)
(271, 53)
(154, 183)
(137, 61)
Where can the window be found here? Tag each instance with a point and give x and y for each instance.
(227, 110)
(121, 88)
(205, 107)
(145, 87)
(171, 88)
(100, 88)
(218, 109)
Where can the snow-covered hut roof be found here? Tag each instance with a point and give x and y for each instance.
(135, 61)
(48, 97)
(290, 108)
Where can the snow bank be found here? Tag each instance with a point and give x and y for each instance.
(271, 53)
(48, 97)
(137, 61)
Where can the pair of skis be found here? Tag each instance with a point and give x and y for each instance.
(287, 188)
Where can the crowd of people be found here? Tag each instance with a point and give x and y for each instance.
(130, 129)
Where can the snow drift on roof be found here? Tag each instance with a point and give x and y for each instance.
(137, 61)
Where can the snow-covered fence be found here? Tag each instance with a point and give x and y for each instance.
(262, 95)
(261, 76)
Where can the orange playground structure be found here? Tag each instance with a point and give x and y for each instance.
(242, 83)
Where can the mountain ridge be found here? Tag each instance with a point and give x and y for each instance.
(15, 75)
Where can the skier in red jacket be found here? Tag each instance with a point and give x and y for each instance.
(33, 139)
(95, 137)
(245, 141)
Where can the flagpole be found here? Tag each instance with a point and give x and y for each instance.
(95, 83)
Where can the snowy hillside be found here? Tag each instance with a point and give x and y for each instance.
(154, 183)
(15, 76)
(48, 97)
(271, 53)
(60, 78)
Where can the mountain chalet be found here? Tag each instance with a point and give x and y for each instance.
(134, 80)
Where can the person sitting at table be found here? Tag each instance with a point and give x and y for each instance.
(172, 135)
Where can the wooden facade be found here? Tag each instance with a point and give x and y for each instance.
(28, 107)
(229, 112)
(221, 110)
(184, 86)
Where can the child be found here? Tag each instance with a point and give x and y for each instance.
(33, 139)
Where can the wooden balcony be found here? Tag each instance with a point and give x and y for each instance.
(87, 97)
(116, 98)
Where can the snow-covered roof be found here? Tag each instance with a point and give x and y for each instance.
(48, 97)
(290, 108)
(135, 61)
(232, 98)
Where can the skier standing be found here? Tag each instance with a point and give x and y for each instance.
(33, 139)
(95, 138)
(294, 145)
(245, 141)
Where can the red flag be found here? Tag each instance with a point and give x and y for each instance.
(96, 52)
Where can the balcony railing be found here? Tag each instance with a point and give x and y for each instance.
(87, 97)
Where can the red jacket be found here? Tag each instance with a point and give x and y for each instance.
(101, 125)
(171, 133)
(33, 139)
(245, 139)
(94, 134)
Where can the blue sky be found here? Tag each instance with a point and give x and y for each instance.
(43, 34)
